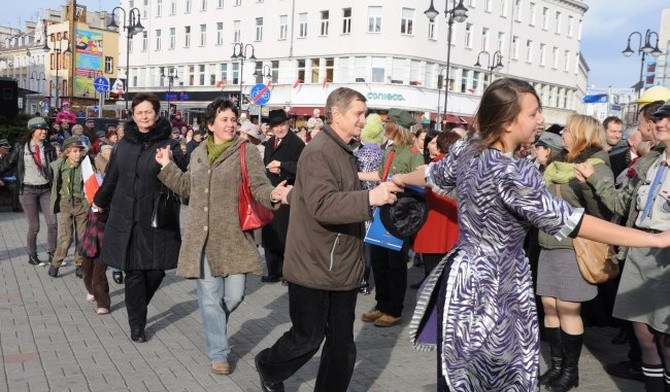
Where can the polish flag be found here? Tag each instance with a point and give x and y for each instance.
(297, 82)
(91, 180)
(324, 83)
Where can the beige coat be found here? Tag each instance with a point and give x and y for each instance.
(212, 221)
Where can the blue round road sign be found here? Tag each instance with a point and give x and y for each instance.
(101, 84)
(260, 94)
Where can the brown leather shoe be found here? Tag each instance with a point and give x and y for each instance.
(371, 316)
(387, 321)
(221, 367)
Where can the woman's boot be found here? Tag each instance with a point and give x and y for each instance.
(569, 377)
(553, 335)
(653, 378)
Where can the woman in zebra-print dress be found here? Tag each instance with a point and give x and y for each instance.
(477, 306)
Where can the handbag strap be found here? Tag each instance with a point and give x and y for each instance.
(243, 163)
(387, 165)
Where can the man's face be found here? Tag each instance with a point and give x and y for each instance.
(646, 129)
(4, 150)
(90, 124)
(65, 125)
(280, 130)
(613, 133)
(348, 123)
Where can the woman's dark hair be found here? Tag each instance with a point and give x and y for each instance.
(500, 105)
(430, 135)
(151, 98)
(215, 107)
(445, 140)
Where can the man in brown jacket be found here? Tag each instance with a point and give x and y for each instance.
(323, 261)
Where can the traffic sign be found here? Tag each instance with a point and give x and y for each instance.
(101, 84)
(260, 94)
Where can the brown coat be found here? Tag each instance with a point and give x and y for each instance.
(212, 221)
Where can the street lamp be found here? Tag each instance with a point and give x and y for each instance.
(242, 55)
(457, 13)
(439, 92)
(39, 77)
(494, 62)
(58, 48)
(644, 50)
(266, 72)
(171, 75)
(132, 25)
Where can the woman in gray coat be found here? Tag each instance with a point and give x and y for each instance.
(215, 249)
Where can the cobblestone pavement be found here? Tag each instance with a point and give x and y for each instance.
(52, 340)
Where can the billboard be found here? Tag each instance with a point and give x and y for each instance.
(88, 62)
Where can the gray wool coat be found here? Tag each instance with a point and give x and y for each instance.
(212, 222)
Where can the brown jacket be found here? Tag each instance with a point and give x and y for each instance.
(212, 222)
(324, 247)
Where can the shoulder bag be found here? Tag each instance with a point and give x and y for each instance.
(253, 214)
(166, 209)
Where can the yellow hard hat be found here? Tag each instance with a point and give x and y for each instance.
(653, 94)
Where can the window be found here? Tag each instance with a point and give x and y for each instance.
(558, 22)
(159, 8)
(301, 70)
(314, 68)
(259, 29)
(145, 40)
(109, 64)
(471, 3)
(191, 75)
(201, 75)
(579, 30)
(543, 54)
(517, 10)
(145, 9)
(545, 18)
(407, 21)
(187, 36)
(464, 80)
(515, 48)
(501, 42)
(378, 69)
(489, 6)
(431, 30)
(173, 7)
(566, 65)
(157, 45)
(361, 68)
(398, 70)
(374, 19)
(203, 6)
(325, 16)
(428, 78)
(274, 70)
(203, 34)
(330, 69)
(531, 13)
(475, 80)
(238, 3)
(187, 7)
(346, 20)
(173, 37)
(468, 35)
(283, 26)
(223, 73)
(414, 68)
(302, 30)
(219, 33)
(554, 53)
(571, 22)
(529, 51)
(503, 8)
(237, 34)
(219, 4)
(236, 73)
(485, 39)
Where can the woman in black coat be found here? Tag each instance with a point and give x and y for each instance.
(130, 190)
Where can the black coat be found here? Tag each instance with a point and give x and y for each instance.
(287, 152)
(129, 191)
(619, 161)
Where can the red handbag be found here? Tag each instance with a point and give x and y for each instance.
(253, 214)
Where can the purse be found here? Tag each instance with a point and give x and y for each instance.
(166, 209)
(594, 259)
(253, 215)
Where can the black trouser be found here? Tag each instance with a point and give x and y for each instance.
(274, 259)
(316, 314)
(141, 285)
(390, 270)
(431, 260)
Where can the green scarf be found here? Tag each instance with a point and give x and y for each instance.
(562, 172)
(214, 151)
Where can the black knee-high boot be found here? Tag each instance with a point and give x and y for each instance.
(569, 377)
(653, 378)
(553, 335)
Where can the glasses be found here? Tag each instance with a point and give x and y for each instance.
(145, 113)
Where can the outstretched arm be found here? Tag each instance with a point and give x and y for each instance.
(600, 230)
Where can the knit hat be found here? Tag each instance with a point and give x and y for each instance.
(373, 131)
(401, 117)
(37, 123)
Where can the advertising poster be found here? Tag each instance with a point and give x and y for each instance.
(88, 62)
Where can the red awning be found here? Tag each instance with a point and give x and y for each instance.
(305, 110)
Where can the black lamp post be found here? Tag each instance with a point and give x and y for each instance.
(171, 75)
(241, 55)
(643, 50)
(266, 72)
(457, 13)
(58, 48)
(39, 77)
(439, 93)
(494, 62)
(132, 25)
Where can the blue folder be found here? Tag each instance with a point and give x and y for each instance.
(378, 235)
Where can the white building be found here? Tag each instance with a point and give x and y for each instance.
(387, 50)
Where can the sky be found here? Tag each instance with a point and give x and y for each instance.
(605, 31)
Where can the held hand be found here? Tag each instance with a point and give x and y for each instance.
(163, 156)
(274, 167)
(280, 192)
(584, 169)
(95, 208)
(579, 176)
(384, 193)
(398, 180)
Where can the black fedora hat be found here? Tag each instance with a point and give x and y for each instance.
(277, 116)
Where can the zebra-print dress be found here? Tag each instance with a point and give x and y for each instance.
(489, 331)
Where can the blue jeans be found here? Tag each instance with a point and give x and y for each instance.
(217, 297)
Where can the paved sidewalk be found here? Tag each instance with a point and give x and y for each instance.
(52, 340)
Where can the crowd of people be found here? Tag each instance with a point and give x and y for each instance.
(505, 198)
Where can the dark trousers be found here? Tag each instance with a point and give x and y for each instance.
(316, 314)
(274, 260)
(95, 280)
(430, 260)
(33, 201)
(390, 270)
(141, 285)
